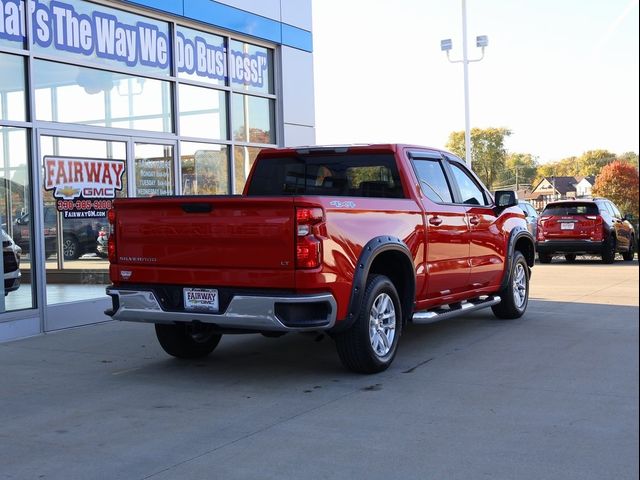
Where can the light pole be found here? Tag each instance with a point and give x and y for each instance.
(445, 45)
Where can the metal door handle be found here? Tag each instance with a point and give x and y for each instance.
(474, 220)
(435, 220)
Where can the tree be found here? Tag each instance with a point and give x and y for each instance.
(592, 161)
(629, 157)
(618, 182)
(487, 151)
(524, 165)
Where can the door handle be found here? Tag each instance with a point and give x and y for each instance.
(435, 221)
(474, 220)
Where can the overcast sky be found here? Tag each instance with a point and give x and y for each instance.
(561, 74)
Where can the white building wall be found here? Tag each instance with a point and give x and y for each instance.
(297, 97)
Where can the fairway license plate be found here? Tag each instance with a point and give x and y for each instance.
(566, 226)
(201, 300)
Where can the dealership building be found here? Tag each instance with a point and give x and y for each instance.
(108, 99)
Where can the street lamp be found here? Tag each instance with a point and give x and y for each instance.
(446, 45)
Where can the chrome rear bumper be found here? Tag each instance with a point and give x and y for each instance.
(255, 313)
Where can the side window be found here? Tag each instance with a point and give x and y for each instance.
(607, 206)
(433, 181)
(615, 210)
(532, 211)
(471, 193)
(602, 206)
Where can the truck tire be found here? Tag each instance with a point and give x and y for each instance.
(545, 257)
(185, 340)
(629, 254)
(515, 296)
(370, 344)
(570, 257)
(609, 250)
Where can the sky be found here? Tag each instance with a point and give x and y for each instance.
(562, 75)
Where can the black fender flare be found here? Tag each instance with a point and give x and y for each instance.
(373, 248)
(515, 235)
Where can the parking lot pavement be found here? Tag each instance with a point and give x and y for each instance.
(553, 395)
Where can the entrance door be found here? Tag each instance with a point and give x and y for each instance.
(81, 176)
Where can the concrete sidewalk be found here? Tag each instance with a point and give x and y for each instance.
(553, 395)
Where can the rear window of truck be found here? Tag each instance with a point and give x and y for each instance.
(350, 175)
(571, 209)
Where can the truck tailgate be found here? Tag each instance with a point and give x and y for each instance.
(230, 238)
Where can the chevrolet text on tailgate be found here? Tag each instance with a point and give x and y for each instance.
(351, 241)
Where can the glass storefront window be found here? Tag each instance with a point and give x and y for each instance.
(12, 99)
(253, 119)
(203, 112)
(15, 195)
(251, 67)
(205, 168)
(76, 230)
(243, 161)
(71, 94)
(154, 169)
(201, 56)
(81, 31)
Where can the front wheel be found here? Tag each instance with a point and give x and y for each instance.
(628, 255)
(370, 345)
(515, 296)
(186, 340)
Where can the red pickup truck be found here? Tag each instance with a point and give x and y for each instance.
(351, 241)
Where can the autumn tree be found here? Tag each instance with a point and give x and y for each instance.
(589, 163)
(618, 181)
(629, 157)
(488, 153)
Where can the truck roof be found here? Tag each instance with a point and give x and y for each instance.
(378, 147)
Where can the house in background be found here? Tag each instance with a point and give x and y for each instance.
(553, 188)
(585, 186)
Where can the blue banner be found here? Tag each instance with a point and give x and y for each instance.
(80, 28)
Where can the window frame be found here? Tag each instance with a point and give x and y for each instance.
(453, 160)
(439, 158)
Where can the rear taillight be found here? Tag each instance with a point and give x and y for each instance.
(598, 230)
(111, 242)
(540, 229)
(308, 246)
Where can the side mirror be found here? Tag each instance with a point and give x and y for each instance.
(506, 199)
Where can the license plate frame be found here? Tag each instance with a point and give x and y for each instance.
(201, 300)
(567, 226)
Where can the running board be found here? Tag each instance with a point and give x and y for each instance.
(455, 309)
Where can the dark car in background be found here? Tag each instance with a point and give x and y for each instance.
(79, 234)
(10, 263)
(577, 227)
(531, 216)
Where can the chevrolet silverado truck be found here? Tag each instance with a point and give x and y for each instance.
(352, 241)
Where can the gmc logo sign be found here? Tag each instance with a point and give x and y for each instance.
(98, 192)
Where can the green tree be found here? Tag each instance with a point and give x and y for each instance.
(524, 164)
(592, 161)
(618, 182)
(487, 151)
